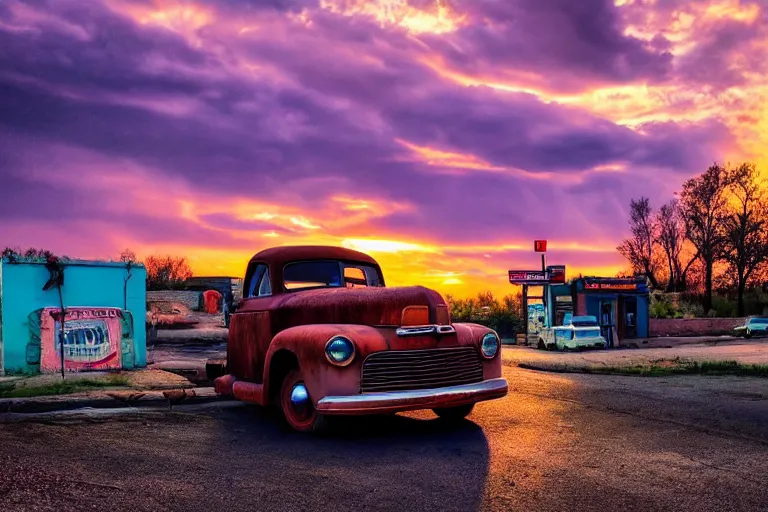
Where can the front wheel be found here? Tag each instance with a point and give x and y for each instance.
(297, 407)
(457, 413)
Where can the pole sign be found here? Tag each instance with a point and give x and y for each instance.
(533, 277)
(540, 245)
(556, 274)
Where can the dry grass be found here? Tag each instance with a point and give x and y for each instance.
(19, 390)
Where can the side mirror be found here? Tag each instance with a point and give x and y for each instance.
(237, 304)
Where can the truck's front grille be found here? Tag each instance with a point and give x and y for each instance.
(400, 370)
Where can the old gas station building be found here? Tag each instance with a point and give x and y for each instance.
(620, 305)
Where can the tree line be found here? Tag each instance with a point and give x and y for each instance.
(164, 272)
(714, 229)
(501, 315)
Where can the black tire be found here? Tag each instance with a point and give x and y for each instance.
(454, 414)
(541, 345)
(307, 422)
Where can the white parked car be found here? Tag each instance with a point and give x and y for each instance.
(577, 332)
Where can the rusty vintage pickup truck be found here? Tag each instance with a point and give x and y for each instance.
(319, 334)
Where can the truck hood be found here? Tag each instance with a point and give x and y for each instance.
(364, 306)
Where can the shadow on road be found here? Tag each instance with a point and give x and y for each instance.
(411, 462)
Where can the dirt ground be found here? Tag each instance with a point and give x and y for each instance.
(144, 379)
(207, 329)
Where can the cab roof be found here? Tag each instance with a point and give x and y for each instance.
(279, 256)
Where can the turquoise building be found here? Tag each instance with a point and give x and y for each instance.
(620, 305)
(104, 325)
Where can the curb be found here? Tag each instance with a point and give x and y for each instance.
(110, 400)
(553, 369)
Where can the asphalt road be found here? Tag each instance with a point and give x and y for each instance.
(557, 442)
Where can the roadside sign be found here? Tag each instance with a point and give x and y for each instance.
(615, 284)
(556, 274)
(528, 277)
(540, 245)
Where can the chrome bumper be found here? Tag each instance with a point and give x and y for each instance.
(394, 401)
(584, 343)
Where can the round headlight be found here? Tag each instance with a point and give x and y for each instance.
(339, 351)
(490, 345)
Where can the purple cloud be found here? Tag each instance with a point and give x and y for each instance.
(296, 113)
(568, 45)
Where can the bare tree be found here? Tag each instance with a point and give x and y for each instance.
(127, 256)
(166, 272)
(670, 236)
(639, 248)
(703, 204)
(746, 245)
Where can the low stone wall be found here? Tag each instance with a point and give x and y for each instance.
(191, 299)
(693, 326)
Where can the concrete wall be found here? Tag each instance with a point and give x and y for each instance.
(86, 284)
(191, 299)
(693, 326)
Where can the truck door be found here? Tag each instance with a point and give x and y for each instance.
(250, 331)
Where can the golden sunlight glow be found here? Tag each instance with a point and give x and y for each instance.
(175, 15)
(454, 162)
(303, 222)
(352, 204)
(184, 18)
(732, 9)
(520, 77)
(390, 246)
(436, 157)
(436, 20)
(179, 19)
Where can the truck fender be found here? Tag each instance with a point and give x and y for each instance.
(304, 346)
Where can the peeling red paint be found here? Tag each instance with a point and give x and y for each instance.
(293, 327)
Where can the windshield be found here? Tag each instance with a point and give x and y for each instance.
(584, 321)
(759, 321)
(329, 274)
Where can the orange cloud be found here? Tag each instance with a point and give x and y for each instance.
(437, 19)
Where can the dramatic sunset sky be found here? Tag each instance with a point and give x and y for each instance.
(441, 137)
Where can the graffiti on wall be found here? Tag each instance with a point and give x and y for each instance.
(94, 339)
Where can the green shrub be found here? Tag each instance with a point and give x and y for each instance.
(722, 308)
(661, 307)
(501, 316)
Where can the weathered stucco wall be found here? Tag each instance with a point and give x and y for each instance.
(693, 326)
(191, 299)
(86, 285)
